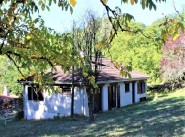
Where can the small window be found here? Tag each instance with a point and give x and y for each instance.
(66, 89)
(127, 87)
(33, 94)
(141, 87)
(142, 99)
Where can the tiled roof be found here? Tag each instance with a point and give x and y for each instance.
(108, 72)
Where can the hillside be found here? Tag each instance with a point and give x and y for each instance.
(163, 117)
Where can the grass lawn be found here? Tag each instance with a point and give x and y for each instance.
(162, 117)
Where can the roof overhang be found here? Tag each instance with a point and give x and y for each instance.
(80, 83)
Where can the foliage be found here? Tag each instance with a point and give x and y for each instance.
(28, 43)
(173, 61)
(86, 42)
(9, 76)
(139, 51)
(163, 117)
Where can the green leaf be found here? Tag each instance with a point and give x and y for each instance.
(1, 12)
(125, 1)
(43, 7)
(123, 73)
(40, 2)
(71, 10)
(143, 4)
(129, 76)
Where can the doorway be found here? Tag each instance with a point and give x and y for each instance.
(112, 96)
(133, 92)
(98, 100)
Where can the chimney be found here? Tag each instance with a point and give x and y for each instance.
(6, 91)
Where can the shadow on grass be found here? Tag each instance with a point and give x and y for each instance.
(160, 118)
(166, 118)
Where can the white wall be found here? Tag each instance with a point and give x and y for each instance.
(125, 97)
(122, 94)
(105, 97)
(6, 91)
(55, 104)
(61, 104)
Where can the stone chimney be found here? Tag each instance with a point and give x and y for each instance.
(6, 91)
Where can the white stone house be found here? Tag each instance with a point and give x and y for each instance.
(114, 91)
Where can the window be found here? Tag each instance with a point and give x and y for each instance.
(141, 87)
(127, 87)
(143, 99)
(66, 89)
(33, 94)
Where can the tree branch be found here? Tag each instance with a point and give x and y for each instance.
(108, 10)
(18, 68)
(42, 58)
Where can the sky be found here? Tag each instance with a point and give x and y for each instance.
(62, 20)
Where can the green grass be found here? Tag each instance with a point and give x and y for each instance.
(163, 117)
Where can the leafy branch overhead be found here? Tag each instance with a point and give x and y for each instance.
(29, 44)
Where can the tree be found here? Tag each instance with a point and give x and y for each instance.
(173, 61)
(20, 32)
(139, 51)
(28, 43)
(86, 42)
(9, 76)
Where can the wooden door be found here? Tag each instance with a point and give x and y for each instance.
(112, 99)
(98, 100)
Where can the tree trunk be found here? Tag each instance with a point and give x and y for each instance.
(90, 105)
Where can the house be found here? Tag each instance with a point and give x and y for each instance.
(113, 91)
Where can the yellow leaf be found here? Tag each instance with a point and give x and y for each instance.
(28, 37)
(104, 1)
(72, 2)
(98, 46)
(175, 36)
(117, 65)
(132, 2)
(175, 21)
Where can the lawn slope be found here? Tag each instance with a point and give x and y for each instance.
(163, 117)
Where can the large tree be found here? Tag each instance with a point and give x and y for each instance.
(86, 40)
(138, 50)
(29, 44)
(173, 61)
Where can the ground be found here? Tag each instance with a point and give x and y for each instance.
(163, 117)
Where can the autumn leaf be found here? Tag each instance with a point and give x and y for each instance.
(72, 2)
(98, 46)
(132, 2)
(28, 37)
(176, 36)
(104, 2)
